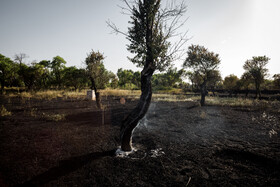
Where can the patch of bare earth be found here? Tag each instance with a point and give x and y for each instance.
(178, 144)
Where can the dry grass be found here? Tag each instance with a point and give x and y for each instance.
(117, 92)
(239, 102)
(168, 97)
(174, 95)
(171, 91)
(50, 94)
(229, 101)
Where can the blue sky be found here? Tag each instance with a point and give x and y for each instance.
(235, 29)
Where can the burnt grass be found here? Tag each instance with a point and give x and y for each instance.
(178, 144)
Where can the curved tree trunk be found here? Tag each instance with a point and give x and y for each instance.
(139, 111)
(142, 107)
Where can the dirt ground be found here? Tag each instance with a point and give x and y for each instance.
(69, 142)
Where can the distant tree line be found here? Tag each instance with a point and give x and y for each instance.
(54, 74)
(200, 68)
(51, 74)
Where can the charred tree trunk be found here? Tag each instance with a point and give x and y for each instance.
(203, 92)
(138, 112)
(97, 94)
(142, 107)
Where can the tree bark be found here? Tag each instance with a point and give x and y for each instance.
(142, 107)
(97, 94)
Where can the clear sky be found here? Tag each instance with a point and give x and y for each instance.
(235, 29)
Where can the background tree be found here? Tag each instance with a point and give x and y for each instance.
(97, 74)
(256, 67)
(136, 79)
(168, 80)
(125, 77)
(231, 83)
(245, 82)
(267, 84)
(8, 71)
(151, 27)
(46, 76)
(215, 80)
(203, 63)
(33, 75)
(74, 77)
(129, 79)
(195, 79)
(20, 58)
(114, 82)
(173, 77)
(57, 65)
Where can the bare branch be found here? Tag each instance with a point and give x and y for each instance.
(128, 5)
(20, 57)
(115, 29)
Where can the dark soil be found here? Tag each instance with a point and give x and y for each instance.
(178, 144)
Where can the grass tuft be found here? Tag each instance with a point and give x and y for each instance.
(4, 112)
(50, 94)
(53, 117)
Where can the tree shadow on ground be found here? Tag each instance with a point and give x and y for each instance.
(67, 166)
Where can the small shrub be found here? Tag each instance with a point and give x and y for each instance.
(4, 112)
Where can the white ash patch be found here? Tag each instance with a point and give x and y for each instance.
(124, 154)
(272, 132)
(157, 152)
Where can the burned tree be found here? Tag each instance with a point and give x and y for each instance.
(151, 27)
(204, 64)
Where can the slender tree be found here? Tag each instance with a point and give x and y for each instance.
(151, 27)
(256, 67)
(204, 64)
(57, 66)
(97, 74)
